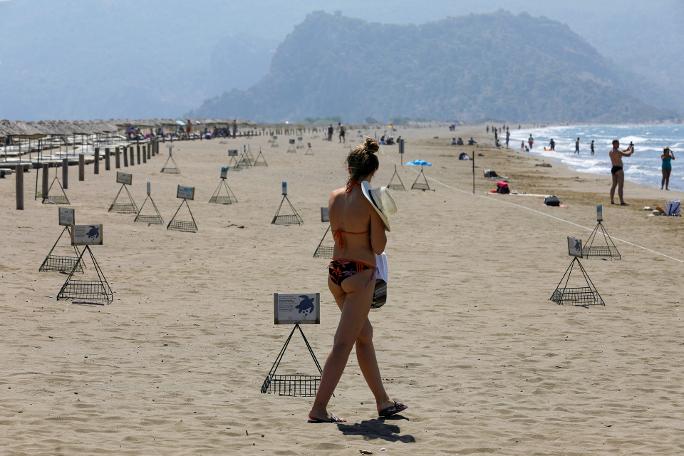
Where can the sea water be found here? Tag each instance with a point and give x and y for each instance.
(643, 167)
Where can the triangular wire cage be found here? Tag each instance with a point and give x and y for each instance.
(245, 160)
(291, 148)
(287, 219)
(170, 166)
(64, 263)
(90, 290)
(300, 143)
(123, 207)
(234, 164)
(274, 143)
(55, 196)
(223, 194)
(261, 162)
(39, 188)
(325, 247)
(419, 184)
(309, 150)
(298, 385)
(177, 224)
(152, 217)
(584, 295)
(399, 185)
(600, 245)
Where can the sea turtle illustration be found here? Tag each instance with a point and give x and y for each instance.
(93, 232)
(306, 305)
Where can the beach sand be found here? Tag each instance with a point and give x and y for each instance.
(468, 338)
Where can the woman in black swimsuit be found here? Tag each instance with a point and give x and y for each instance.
(359, 234)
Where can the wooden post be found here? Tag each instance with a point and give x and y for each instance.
(81, 167)
(117, 158)
(144, 153)
(125, 156)
(20, 187)
(107, 159)
(132, 158)
(148, 147)
(46, 180)
(137, 152)
(96, 164)
(473, 172)
(65, 173)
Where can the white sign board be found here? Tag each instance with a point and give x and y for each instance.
(302, 308)
(574, 247)
(224, 172)
(187, 193)
(325, 214)
(86, 235)
(67, 216)
(124, 178)
(232, 152)
(599, 212)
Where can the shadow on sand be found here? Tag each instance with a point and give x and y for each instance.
(377, 429)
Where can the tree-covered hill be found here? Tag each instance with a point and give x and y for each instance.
(493, 66)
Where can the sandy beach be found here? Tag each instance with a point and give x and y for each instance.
(468, 338)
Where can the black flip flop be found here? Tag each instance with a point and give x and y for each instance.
(330, 419)
(392, 410)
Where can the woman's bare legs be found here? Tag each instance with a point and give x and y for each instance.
(358, 292)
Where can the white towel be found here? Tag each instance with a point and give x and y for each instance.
(381, 268)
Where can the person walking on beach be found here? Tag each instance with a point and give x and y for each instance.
(530, 141)
(342, 139)
(667, 158)
(577, 146)
(358, 225)
(617, 172)
(330, 132)
(591, 146)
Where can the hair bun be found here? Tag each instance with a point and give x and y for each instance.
(371, 145)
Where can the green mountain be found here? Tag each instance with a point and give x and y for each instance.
(492, 66)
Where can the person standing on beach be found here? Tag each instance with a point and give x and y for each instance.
(617, 172)
(358, 225)
(591, 146)
(552, 145)
(342, 139)
(577, 146)
(530, 141)
(508, 137)
(330, 132)
(522, 146)
(667, 158)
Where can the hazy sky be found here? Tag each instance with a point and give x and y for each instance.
(108, 58)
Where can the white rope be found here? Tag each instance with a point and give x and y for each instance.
(655, 252)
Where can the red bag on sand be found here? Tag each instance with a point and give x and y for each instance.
(502, 187)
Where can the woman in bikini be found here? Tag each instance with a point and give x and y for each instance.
(667, 158)
(359, 235)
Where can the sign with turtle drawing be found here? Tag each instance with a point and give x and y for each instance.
(86, 235)
(296, 308)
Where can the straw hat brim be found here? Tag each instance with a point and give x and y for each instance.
(366, 189)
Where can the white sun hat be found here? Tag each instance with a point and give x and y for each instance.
(381, 200)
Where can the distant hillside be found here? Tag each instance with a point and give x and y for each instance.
(494, 66)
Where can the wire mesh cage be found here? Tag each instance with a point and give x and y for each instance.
(287, 219)
(600, 245)
(421, 184)
(583, 295)
(170, 166)
(184, 225)
(260, 160)
(65, 263)
(291, 385)
(125, 205)
(325, 247)
(223, 194)
(152, 217)
(298, 385)
(399, 184)
(56, 196)
(90, 290)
